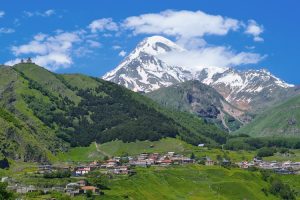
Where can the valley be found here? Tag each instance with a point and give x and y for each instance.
(60, 129)
(71, 136)
(144, 100)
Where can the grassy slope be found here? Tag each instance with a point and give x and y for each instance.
(177, 182)
(117, 148)
(295, 156)
(275, 121)
(19, 128)
(80, 154)
(190, 182)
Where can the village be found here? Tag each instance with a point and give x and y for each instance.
(126, 165)
(285, 167)
(114, 166)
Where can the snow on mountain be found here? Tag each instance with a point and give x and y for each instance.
(246, 88)
(143, 70)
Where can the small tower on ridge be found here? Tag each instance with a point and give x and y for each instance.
(29, 60)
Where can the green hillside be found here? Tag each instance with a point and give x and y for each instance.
(281, 120)
(119, 148)
(202, 100)
(192, 182)
(46, 112)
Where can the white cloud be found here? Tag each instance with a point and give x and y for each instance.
(218, 56)
(54, 60)
(40, 37)
(191, 43)
(189, 29)
(116, 47)
(6, 30)
(102, 25)
(52, 52)
(181, 24)
(13, 62)
(122, 53)
(46, 13)
(250, 47)
(2, 13)
(93, 43)
(255, 30)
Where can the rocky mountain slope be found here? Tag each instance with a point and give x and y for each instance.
(202, 100)
(43, 113)
(282, 120)
(145, 70)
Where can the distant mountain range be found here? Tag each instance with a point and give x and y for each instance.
(144, 69)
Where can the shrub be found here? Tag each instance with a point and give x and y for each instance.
(265, 152)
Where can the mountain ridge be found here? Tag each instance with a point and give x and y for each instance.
(282, 120)
(43, 113)
(202, 100)
(145, 70)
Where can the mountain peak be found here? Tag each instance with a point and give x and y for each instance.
(156, 45)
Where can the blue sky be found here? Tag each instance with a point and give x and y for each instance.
(92, 37)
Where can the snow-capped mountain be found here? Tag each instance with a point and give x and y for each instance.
(143, 70)
(251, 88)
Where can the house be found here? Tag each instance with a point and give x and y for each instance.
(165, 162)
(170, 154)
(186, 160)
(209, 162)
(143, 156)
(73, 189)
(225, 162)
(25, 189)
(153, 157)
(94, 164)
(201, 145)
(139, 163)
(82, 171)
(111, 163)
(94, 190)
(257, 160)
(284, 171)
(121, 170)
(243, 165)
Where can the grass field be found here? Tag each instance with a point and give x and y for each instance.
(118, 148)
(295, 156)
(81, 154)
(189, 182)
